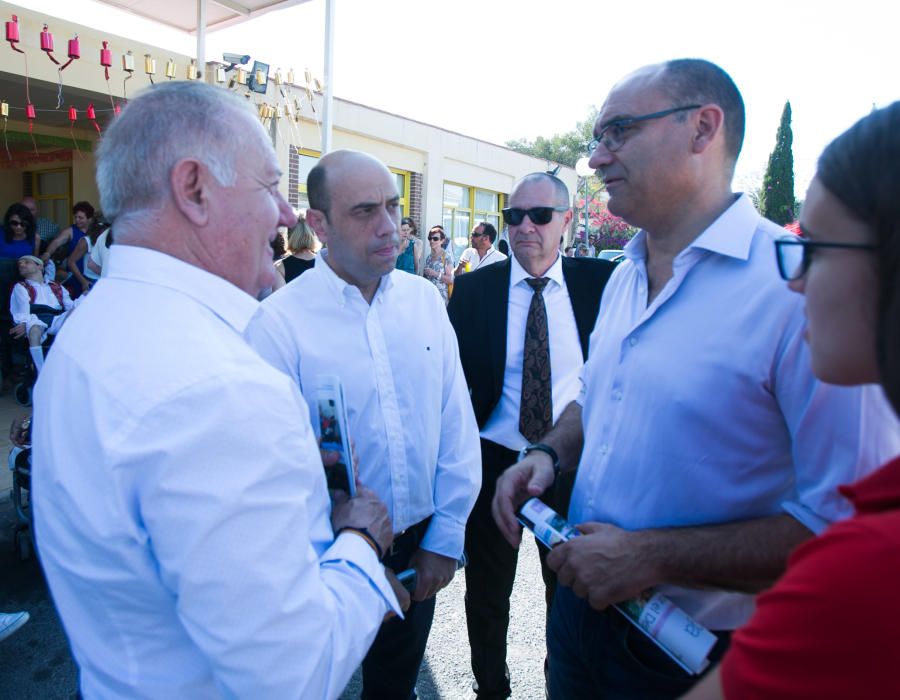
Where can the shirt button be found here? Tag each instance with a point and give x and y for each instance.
(632, 341)
(604, 448)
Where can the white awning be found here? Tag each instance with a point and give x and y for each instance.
(184, 16)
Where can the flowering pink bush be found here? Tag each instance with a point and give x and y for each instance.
(605, 230)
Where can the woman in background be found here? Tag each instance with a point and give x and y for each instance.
(438, 265)
(410, 258)
(303, 246)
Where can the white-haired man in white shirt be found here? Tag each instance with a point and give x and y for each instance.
(187, 536)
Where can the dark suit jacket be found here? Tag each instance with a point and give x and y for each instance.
(478, 311)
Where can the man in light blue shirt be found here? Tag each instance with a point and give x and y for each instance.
(704, 432)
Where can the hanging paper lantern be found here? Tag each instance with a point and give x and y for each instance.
(12, 33)
(128, 62)
(290, 76)
(92, 116)
(192, 70)
(170, 68)
(30, 111)
(73, 114)
(74, 50)
(4, 109)
(220, 74)
(47, 42)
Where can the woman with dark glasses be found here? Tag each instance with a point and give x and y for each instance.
(19, 233)
(828, 628)
(438, 264)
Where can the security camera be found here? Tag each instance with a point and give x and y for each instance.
(235, 58)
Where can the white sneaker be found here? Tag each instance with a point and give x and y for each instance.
(10, 622)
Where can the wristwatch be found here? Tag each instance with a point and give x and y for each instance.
(546, 449)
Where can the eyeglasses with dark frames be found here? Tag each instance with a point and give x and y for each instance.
(613, 135)
(16, 222)
(434, 238)
(539, 215)
(794, 254)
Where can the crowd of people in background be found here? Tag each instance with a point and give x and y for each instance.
(710, 409)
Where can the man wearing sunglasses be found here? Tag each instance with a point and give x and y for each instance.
(523, 327)
(700, 429)
(482, 253)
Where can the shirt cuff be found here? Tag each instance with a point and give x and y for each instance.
(816, 523)
(357, 552)
(445, 536)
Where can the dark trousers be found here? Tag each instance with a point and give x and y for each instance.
(491, 572)
(391, 667)
(597, 654)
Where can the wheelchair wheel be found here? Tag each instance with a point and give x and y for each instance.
(22, 394)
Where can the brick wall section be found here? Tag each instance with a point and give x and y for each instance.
(415, 203)
(293, 178)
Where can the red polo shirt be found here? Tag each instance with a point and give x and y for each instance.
(830, 627)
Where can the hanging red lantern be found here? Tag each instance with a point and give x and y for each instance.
(74, 49)
(91, 113)
(30, 112)
(12, 33)
(73, 114)
(47, 42)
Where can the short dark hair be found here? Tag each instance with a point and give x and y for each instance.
(697, 81)
(412, 224)
(489, 230)
(317, 189)
(85, 208)
(24, 213)
(861, 168)
(559, 187)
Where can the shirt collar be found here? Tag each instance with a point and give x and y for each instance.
(731, 234)
(138, 264)
(343, 289)
(518, 273)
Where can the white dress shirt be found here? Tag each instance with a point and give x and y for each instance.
(184, 533)
(475, 260)
(20, 306)
(702, 408)
(407, 403)
(566, 360)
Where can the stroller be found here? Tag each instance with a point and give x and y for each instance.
(20, 465)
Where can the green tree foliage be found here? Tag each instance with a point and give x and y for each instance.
(776, 198)
(564, 148)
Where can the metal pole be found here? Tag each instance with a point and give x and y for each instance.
(201, 39)
(327, 109)
(586, 237)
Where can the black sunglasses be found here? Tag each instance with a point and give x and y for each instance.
(794, 255)
(434, 238)
(538, 215)
(16, 222)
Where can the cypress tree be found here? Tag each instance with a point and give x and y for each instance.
(776, 199)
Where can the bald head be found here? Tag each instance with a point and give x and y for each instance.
(333, 167)
(30, 205)
(560, 191)
(697, 81)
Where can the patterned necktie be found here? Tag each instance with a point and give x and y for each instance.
(536, 408)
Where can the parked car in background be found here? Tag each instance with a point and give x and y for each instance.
(613, 255)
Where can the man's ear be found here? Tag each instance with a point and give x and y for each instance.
(317, 220)
(567, 218)
(190, 190)
(709, 122)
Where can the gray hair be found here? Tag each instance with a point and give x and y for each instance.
(560, 191)
(160, 126)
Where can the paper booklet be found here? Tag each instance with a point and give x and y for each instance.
(685, 641)
(333, 432)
